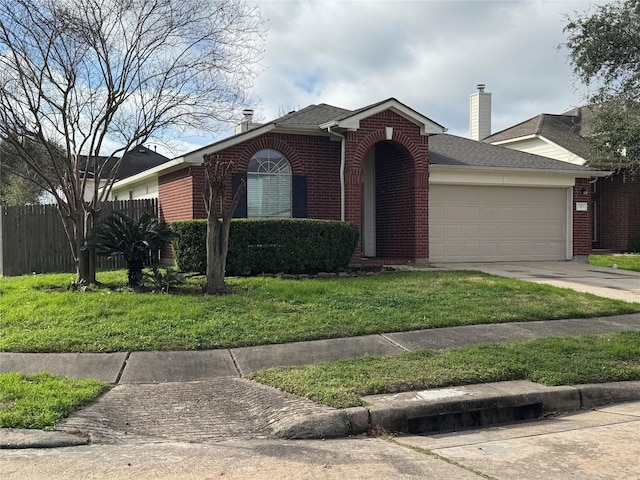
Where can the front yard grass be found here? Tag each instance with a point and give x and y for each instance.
(627, 261)
(37, 315)
(550, 361)
(41, 400)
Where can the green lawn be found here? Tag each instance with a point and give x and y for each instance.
(42, 399)
(625, 261)
(551, 361)
(37, 315)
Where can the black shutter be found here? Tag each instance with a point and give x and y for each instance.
(236, 181)
(299, 194)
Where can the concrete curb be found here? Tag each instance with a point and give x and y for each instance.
(395, 412)
(11, 438)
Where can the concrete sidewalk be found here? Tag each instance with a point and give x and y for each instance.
(204, 395)
(189, 366)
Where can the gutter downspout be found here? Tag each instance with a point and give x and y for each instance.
(342, 165)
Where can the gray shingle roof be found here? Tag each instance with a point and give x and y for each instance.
(568, 130)
(311, 117)
(136, 160)
(139, 159)
(447, 149)
(523, 129)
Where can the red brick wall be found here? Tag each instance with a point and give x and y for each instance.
(582, 220)
(316, 157)
(414, 146)
(618, 203)
(633, 186)
(175, 196)
(403, 166)
(402, 185)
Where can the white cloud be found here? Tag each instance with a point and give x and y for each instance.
(428, 54)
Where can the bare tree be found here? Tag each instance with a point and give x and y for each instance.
(219, 214)
(98, 77)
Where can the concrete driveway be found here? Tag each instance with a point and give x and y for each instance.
(601, 281)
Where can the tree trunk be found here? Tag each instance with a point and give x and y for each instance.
(217, 245)
(85, 267)
(218, 221)
(85, 259)
(134, 272)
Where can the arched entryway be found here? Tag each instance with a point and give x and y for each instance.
(388, 202)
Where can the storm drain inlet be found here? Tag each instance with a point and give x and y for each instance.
(451, 422)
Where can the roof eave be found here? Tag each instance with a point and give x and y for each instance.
(297, 129)
(151, 172)
(577, 173)
(196, 157)
(513, 139)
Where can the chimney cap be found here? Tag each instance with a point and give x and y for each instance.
(247, 112)
(481, 87)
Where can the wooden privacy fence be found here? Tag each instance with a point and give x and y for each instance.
(33, 240)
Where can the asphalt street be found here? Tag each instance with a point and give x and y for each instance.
(598, 444)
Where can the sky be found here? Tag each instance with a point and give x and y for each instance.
(430, 55)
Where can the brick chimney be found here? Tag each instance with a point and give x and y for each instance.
(480, 114)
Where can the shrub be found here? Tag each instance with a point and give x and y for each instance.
(634, 245)
(189, 245)
(162, 282)
(271, 246)
(135, 240)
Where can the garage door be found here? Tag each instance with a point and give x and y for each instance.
(488, 224)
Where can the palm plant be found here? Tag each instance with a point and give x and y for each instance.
(136, 241)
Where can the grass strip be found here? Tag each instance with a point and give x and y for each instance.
(627, 261)
(38, 314)
(41, 400)
(550, 361)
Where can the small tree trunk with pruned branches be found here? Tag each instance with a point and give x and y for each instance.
(219, 214)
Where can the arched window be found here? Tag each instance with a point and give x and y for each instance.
(269, 185)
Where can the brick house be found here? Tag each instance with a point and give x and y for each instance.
(615, 199)
(416, 194)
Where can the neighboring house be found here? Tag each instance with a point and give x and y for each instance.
(138, 159)
(615, 202)
(416, 194)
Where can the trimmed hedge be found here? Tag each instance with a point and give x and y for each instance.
(270, 246)
(188, 243)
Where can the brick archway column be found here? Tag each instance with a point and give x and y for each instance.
(421, 199)
(406, 134)
(353, 202)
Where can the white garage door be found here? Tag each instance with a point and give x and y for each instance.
(489, 224)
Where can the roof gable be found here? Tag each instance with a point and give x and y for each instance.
(351, 120)
(567, 130)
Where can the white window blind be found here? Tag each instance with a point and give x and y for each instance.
(269, 185)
